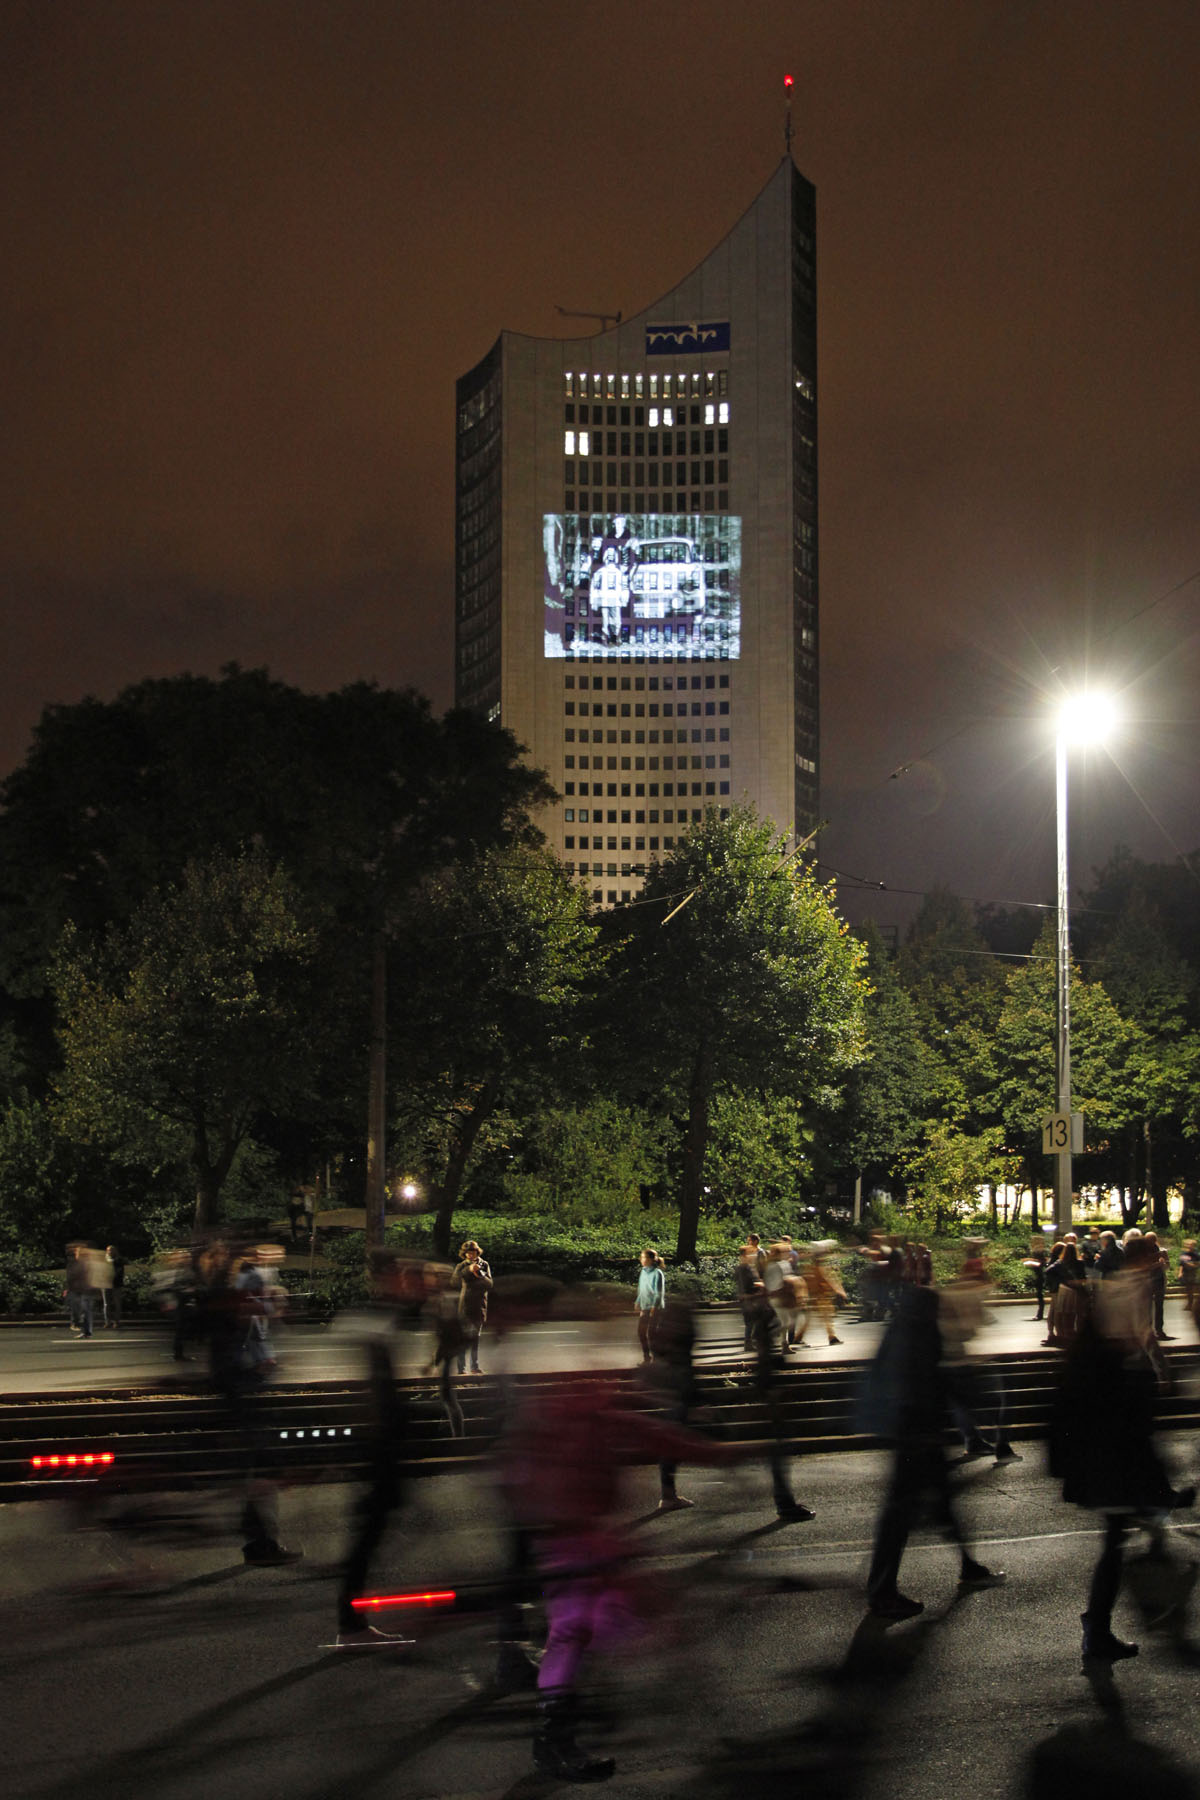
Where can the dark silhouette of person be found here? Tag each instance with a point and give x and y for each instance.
(908, 1403)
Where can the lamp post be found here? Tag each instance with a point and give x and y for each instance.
(1083, 719)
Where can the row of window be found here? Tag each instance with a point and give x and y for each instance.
(641, 682)
(646, 443)
(641, 737)
(707, 500)
(577, 384)
(644, 474)
(580, 814)
(636, 789)
(580, 442)
(640, 707)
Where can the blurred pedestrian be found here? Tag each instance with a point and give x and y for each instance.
(79, 1292)
(750, 1294)
(1189, 1268)
(1101, 1444)
(671, 1383)
(651, 1299)
(116, 1286)
(1157, 1266)
(383, 1491)
(566, 1458)
(822, 1285)
(786, 1294)
(1035, 1262)
(906, 1402)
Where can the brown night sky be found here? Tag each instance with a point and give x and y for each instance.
(248, 247)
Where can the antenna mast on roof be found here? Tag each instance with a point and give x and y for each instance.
(788, 84)
(607, 320)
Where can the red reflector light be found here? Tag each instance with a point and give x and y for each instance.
(437, 1597)
(86, 1459)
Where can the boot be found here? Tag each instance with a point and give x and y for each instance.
(555, 1751)
(1099, 1642)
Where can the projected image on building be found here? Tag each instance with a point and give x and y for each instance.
(660, 585)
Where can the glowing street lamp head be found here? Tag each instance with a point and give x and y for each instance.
(1087, 718)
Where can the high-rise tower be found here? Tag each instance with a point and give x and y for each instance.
(636, 554)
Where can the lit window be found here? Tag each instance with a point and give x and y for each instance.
(723, 413)
(654, 387)
(638, 382)
(612, 387)
(583, 444)
(568, 443)
(654, 418)
(668, 417)
(597, 385)
(710, 383)
(710, 415)
(624, 387)
(569, 385)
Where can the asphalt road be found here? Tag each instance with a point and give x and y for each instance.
(160, 1666)
(47, 1359)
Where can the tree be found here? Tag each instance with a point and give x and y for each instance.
(946, 968)
(357, 795)
(496, 955)
(734, 975)
(1019, 1073)
(181, 1027)
(894, 1088)
(948, 1169)
(595, 1160)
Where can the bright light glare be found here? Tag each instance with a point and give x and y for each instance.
(1087, 718)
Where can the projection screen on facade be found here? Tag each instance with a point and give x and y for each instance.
(658, 585)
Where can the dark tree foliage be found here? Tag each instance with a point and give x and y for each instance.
(356, 795)
(752, 986)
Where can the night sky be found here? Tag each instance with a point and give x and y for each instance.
(247, 248)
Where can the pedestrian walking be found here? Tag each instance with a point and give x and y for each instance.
(651, 1299)
(906, 1402)
(116, 1287)
(1101, 1442)
(671, 1383)
(1189, 1269)
(385, 1437)
(786, 1295)
(565, 1459)
(750, 1294)
(1157, 1266)
(79, 1292)
(1035, 1262)
(822, 1286)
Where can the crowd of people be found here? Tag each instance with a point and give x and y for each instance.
(563, 1452)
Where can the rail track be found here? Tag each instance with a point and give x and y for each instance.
(135, 1439)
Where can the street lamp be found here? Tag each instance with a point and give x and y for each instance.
(1085, 718)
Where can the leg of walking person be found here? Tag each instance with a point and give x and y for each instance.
(1098, 1639)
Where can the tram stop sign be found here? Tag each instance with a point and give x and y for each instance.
(1062, 1131)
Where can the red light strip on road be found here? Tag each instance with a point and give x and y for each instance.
(71, 1462)
(438, 1597)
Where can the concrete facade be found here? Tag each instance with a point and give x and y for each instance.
(652, 453)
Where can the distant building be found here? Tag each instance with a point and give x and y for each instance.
(636, 556)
